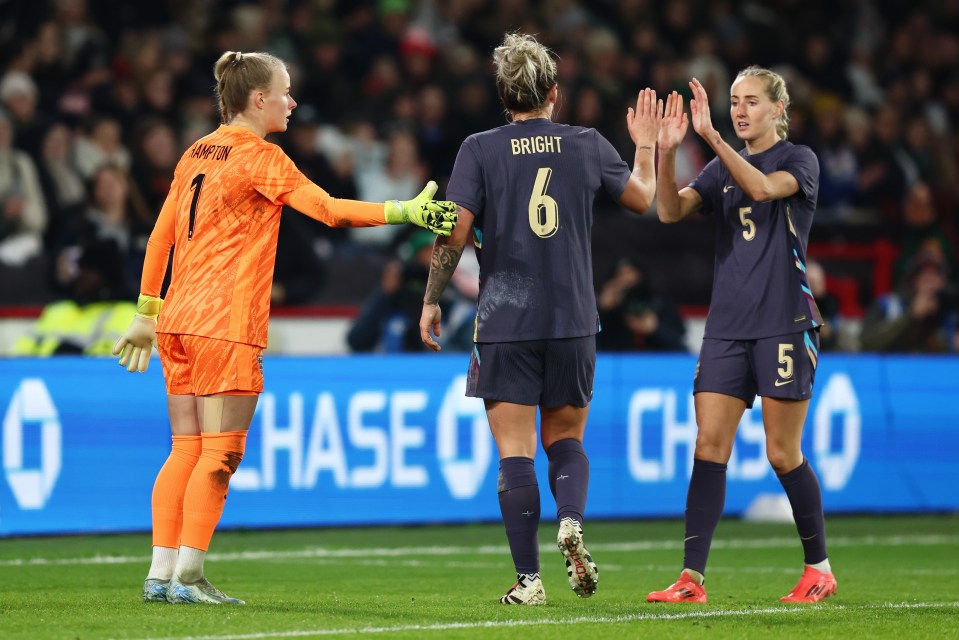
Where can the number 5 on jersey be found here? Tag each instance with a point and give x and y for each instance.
(543, 210)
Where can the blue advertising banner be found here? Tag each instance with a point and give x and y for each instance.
(392, 439)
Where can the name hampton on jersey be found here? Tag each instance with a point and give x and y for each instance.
(211, 151)
(536, 144)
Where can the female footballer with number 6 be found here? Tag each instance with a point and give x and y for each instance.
(762, 330)
(525, 192)
(223, 216)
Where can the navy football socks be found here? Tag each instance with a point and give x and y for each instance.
(704, 507)
(805, 497)
(519, 504)
(568, 478)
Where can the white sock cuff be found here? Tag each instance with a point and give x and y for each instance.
(163, 563)
(189, 565)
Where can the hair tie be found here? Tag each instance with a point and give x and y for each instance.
(237, 57)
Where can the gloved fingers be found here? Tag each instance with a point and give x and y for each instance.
(126, 354)
(428, 191)
(133, 359)
(118, 346)
(144, 359)
(440, 206)
(439, 224)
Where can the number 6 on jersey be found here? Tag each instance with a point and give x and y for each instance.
(543, 210)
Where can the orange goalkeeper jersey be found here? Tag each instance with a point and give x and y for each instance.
(223, 216)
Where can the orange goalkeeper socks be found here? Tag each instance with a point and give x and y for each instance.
(168, 490)
(208, 486)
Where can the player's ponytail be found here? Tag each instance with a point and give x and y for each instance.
(237, 74)
(775, 91)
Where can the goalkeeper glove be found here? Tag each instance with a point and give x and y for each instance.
(439, 216)
(138, 340)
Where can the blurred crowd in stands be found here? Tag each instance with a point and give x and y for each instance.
(98, 98)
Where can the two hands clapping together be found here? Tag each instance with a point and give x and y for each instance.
(651, 124)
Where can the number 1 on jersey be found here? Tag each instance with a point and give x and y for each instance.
(195, 187)
(543, 210)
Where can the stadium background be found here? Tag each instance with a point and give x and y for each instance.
(387, 91)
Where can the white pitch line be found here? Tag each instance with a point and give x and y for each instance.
(492, 624)
(406, 552)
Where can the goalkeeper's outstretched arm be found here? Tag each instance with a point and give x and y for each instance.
(446, 255)
(438, 216)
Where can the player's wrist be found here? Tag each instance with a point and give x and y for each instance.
(149, 307)
(395, 213)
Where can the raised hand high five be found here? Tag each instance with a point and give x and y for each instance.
(699, 108)
(674, 125)
(643, 122)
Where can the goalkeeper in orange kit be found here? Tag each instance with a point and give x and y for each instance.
(223, 215)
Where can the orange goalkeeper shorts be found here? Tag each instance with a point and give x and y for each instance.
(194, 365)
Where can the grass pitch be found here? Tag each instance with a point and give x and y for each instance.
(898, 578)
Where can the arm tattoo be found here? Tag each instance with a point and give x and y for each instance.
(442, 265)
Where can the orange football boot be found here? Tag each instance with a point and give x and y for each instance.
(683, 590)
(813, 587)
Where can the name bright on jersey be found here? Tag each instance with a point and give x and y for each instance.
(536, 144)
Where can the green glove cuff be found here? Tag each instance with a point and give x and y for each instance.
(394, 213)
(149, 307)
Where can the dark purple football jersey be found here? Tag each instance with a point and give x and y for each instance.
(759, 280)
(531, 186)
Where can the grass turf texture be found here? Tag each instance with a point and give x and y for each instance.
(898, 577)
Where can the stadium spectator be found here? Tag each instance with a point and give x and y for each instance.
(837, 159)
(64, 191)
(389, 319)
(921, 316)
(475, 108)
(633, 317)
(435, 132)
(155, 154)
(18, 95)
(401, 173)
(223, 213)
(536, 315)
(101, 143)
(886, 169)
(305, 245)
(923, 231)
(113, 216)
(761, 333)
(23, 212)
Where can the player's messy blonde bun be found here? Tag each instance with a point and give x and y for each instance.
(237, 74)
(525, 72)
